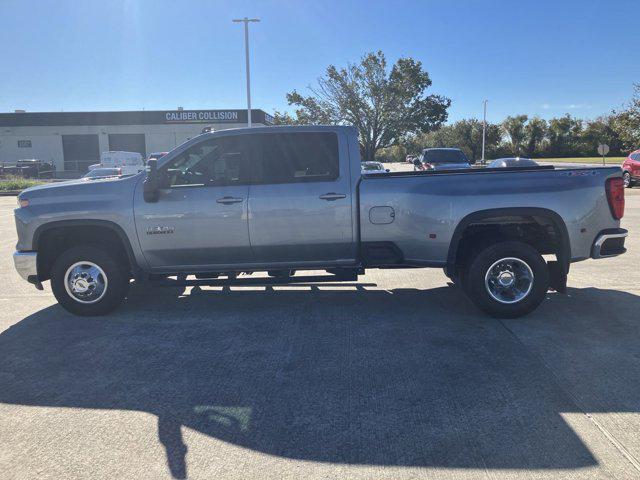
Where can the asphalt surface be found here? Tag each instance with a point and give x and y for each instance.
(395, 376)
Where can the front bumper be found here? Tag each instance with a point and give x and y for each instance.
(609, 243)
(26, 264)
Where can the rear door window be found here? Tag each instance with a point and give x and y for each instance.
(296, 157)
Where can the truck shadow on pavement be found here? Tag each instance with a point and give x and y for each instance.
(346, 375)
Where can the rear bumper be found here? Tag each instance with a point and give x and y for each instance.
(609, 243)
(26, 264)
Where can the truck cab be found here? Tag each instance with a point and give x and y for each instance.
(271, 196)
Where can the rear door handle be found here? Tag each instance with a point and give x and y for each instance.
(229, 200)
(332, 196)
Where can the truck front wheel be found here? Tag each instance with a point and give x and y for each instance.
(88, 281)
(507, 279)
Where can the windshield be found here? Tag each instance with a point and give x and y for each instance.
(444, 156)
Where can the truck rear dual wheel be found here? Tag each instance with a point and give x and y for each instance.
(89, 281)
(507, 280)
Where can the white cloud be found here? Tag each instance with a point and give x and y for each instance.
(578, 106)
(545, 106)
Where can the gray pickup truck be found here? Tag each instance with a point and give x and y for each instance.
(282, 199)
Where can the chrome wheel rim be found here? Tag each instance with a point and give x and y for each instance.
(85, 282)
(626, 178)
(509, 280)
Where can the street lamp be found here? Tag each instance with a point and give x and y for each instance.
(246, 21)
(484, 129)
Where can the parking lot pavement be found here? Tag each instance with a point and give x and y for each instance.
(394, 376)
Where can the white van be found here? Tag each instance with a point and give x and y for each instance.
(129, 163)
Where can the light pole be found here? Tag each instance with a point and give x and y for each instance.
(484, 128)
(246, 21)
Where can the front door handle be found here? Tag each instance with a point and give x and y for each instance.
(332, 196)
(229, 200)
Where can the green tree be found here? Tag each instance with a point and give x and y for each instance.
(385, 105)
(564, 137)
(465, 134)
(514, 129)
(394, 153)
(627, 122)
(535, 132)
(601, 130)
(283, 118)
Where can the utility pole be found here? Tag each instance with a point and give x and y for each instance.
(484, 129)
(246, 21)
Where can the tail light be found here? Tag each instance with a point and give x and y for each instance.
(615, 196)
(119, 171)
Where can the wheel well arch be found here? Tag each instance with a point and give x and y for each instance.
(549, 227)
(53, 238)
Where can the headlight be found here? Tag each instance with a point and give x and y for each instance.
(23, 202)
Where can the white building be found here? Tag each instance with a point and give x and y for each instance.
(73, 140)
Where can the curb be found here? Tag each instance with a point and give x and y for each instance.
(10, 193)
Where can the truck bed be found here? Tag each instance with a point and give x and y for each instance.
(418, 212)
(465, 171)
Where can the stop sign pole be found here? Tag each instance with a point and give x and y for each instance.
(603, 149)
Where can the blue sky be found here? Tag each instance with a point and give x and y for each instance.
(540, 57)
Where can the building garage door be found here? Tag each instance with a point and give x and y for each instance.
(128, 142)
(80, 151)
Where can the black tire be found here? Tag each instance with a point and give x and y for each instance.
(117, 280)
(456, 278)
(626, 177)
(533, 290)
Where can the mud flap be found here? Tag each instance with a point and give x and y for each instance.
(557, 277)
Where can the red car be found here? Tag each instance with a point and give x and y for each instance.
(631, 169)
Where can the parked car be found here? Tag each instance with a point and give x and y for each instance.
(373, 168)
(293, 198)
(102, 173)
(418, 166)
(444, 159)
(511, 162)
(30, 168)
(631, 169)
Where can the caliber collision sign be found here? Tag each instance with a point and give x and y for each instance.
(201, 116)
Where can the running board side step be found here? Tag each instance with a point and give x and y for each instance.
(255, 281)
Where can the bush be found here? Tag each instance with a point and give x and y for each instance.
(16, 183)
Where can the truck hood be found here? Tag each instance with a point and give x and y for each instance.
(79, 187)
(54, 187)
